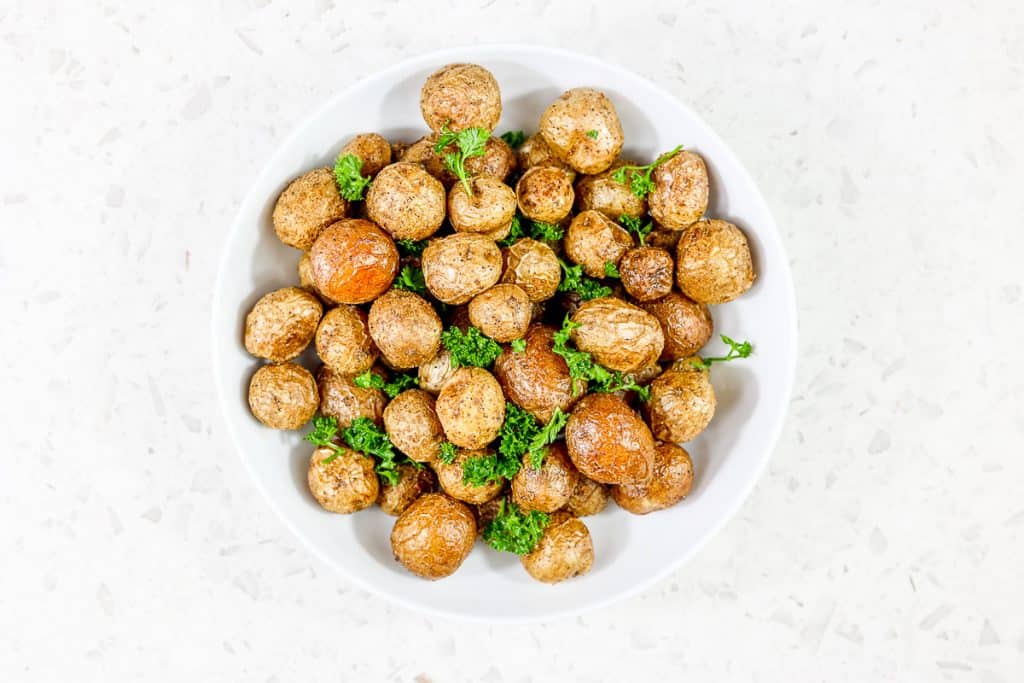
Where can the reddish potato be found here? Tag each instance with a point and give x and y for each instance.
(564, 551)
(461, 96)
(647, 273)
(588, 498)
(490, 207)
(341, 399)
(458, 267)
(346, 483)
(549, 487)
(682, 403)
(620, 336)
(451, 477)
(405, 328)
(545, 194)
(687, 324)
(471, 408)
(412, 425)
(413, 482)
(533, 266)
(537, 379)
(582, 128)
(593, 240)
(608, 441)
(372, 149)
(406, 201)
(502, 312)
(602, 193)
(353, 261)
(680, 195)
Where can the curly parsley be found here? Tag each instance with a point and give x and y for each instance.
(448, 452)
(515, 531)
(367, 438)
(411, 279)
(548, 434)
(325, 429)
(573, 280)
(514, 138)
(470, 142)
(611, 270)
(736, 350)
(639, 177)
(482, 470)
(470, 348)
(515, 232)
(582, 366)
(593, 134)
(518, 345)
(634, 225)
(348, 175)
(411, 247)
(371, 380)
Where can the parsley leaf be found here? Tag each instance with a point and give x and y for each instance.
(546, 231)
(610, 269)
(448, 452)
(401, 382)
(548, 434)
(736, 350)
(484, 469)
(411, 247)
(411, 279)
(470, 142)
(582, 366)
(325, 429)
(367, 438)
(592, 134)
(515, 233)
(514, 138)
(349, 178)
(639, 177)
(518, 345)
(471, 348)
(514, 531)
(633, 225)
(517, 432)
(573, 280)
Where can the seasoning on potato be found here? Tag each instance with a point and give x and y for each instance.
(343, 341)
(309, 204)
(434, 535)
(282, 323)
(713, 263)
(671, 482)
(283, 396)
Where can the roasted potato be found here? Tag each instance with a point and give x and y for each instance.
(498, 160)
(680, 194)
(502, 313)
(461, 96)
(308, 205)
(582, 129)
(664, 238)
(588, 498)
(282, 323)
(413, 482)
(545, 194)
(608, 441)
(451, 475)
(535, 152)
(471, 408)
(434, 535)
(687, 325)
(412, 425)
(372, 149)
(549, 487)
(537, 379)
(436, 372)
(343, 341)
(283, 396)
(682, 403)
(344, 484)
(602, 193)
(353, 261)
(673, 477)
(713, 263)
(341, 399)
(619, 335)
(564, 551)
(458, 267)
(487, 511)
(533, 266)
(647, 273)
(405, 328)
(593, 240)
(490, 207)
(406, 201)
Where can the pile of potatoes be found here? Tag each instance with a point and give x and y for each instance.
(653, 324)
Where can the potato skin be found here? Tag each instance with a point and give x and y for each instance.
(436, 372)
(413, 482)
(619, 335)
(372, 148)
(680, 195)
(341, 399)
(564, 551)
(458, 267)
(449, 476)
(491, 206)
(664, 238)
(353, 261)
(535, 152)
(545, 194)
(462, 96)
(647, 273)
(344, 485)
(471, 408)
(406, 201)
(412, 425)
(593, 240)
(343, 341)
(687, 325)
(608, 442)
(588, 498)
(498, 160)
(673, 477)
(549, 488)
(282, 323)
(713, 262)
(502, 313)
(682, 403)
(537, 379)
(533, 266)
(612, 198)
(405, 328)
(283, 396)
(433, 536)
(566, 122)
(308, 205)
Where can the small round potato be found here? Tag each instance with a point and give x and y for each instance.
(412, 425)
(436, 372)
(533, 266)
(491, 206)
(282, 323)
(406, 201)
(353, 261)
(461, 96)
(588, 498)
(582, 129)
(602, 193)
(687, 324)
(647, 273)
(713, 263)
(345, 484)
(680, 195)
(608, 441)
(341, 399)
(343, 341)
(545, 194)
(664, 238)
(471, 408)
(405, 327)
(619, 335)
(450, 476)
(422, 152)
(434, 535)
(673, 477)
(535, 152)
(537, 379)
(458, 267)
(413, 482)
(564, 551)
(502, 313)
(372, 149)
(593, 240)
(308, 205)
(283, 396)
(549, 488)
(498, 160)
(682, 403)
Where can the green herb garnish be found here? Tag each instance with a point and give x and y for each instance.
(470, 142)
(448, 452)
(482, 470)
(367, 438)
(518, 345)
(546, 231)
(514, 138)
(349, 178)
(411, 279)
(514, 531)
(610, 269)
(573, 280)
(582, 366)
(401, 382)
(411, 247)
(470, 348)
(635, 226)
(639, 177)
(736, 350)
(515, 233)
(546, 435)
(592, 134)
(325, 429)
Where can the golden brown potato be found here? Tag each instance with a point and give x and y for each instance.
(498, 160)
(548, 488)
(308, 205)
(533, 266)
(588, 498)
(373, 149)
(545, 194)
(343, 341)
(461, 96)
(593, 240)
(412, 425)
(345, 484)
(487, 511)
(608, 441)
(713, 263)
(664, 238)
(582, 129)
(282, 323)
(673, 477)
(687, 324)
(434, 535)
(680, 195)
(413, 482)
(450, 476)
(471, 408)
(564, 551)
(341, 399)
(353, 261)
(602, 193)
(619, 335)
(405, 328)
(502, 312)
(422, 152)
(436, 372)
(491, 207)
(682, 403)
(535, 152)
(283, 396)
(406, 201)
(537, 379)
(458, 267)
(647, 273)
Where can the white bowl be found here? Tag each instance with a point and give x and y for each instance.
(631, 552)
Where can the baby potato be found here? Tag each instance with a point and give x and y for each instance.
(647, 273)
(713, 263)
(486, 512)
(608, 441)
(450, 476)
(664, 238)
(372, 149)
(680, 194)
(406, 201)
(537, 379)
(308, 205)
(588, 498)
(582, 128)
(413, 482)
(535, 152)
(471, 408)
(436, 372)
(282, 323)
(673, 477)
(412, 425)
(682, 403)
(545, 194)
(619, 335)
(602, 193)
(498, 161)
(687, 324)
(345, 484)
(548, 488)
(533, 266)
(283, 396)
(593, 240)
(458, 267)
(490, 207)
(343, 341)
(434, 535)
(564, 551)
(353, 261)
(341, 399)
(405, 328)
(461, 96)
(502, 313)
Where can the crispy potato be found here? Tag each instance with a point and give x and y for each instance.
(344, 485)
(619, 335)
(341, 399)
(412, 425)
(353, 261)
(548, 488)
(673, 477)
(682, 403)
(687, 324)
(413, 482)
(450, 476)
(588, 498)
(582, 129)
(405, 328)
(564, 551)
(533, 266)
(713, 263)
(372, 149)
(471, 408)
(436, 372)
(537, 379)
(647, 273)
(406, 201)
(458, 267)
(535, 152)
(282, 323)
(308, 205)
(602, 193)
(283, 396)
(593, 240)
(545, 194)
(680, 195)
(434, 535)
(491, 207)
(498, 160)
(608, 441)
(343, 341)
(461, 96)
(664, 238)
(502, 313)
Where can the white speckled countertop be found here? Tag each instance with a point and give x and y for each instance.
(884, 543)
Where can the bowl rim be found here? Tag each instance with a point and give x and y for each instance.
(767, 230)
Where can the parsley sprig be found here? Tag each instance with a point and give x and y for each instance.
(448, 452)
(736, 350)
(325, 429)
(348, 174)
(637, 227)
(514, 138)
(401, 382)
(573, 280)
(546, 435)
(470, 348)
(582, 366)
(518, 345)
(469, 142)
(411, 279)
(411, 247)
(482, 470)
(515, 232)
(515, 531)
(639, 177)
(363, 436)
(611, 270)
